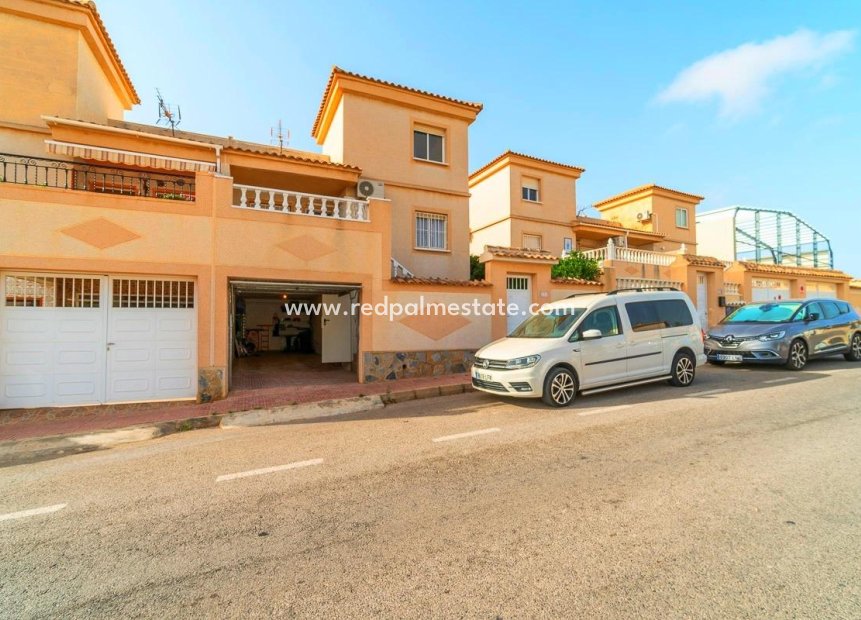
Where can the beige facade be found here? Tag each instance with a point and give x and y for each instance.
(656, 209)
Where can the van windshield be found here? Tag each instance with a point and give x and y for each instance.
(763, 313)
(548, 324)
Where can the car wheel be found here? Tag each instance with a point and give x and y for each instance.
(560, 387)
(854, 353)
(684, 369)
(797, 355)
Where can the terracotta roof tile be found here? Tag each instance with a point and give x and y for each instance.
(704, 261)
(442, 282)
(641, 188)
(231, 144)
(576, 281)
(339, 71)
(795, 271)
(91, 6)
(505, 252)
(509, 153)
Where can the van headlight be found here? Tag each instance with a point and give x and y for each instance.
(522, 362)
(772, 336)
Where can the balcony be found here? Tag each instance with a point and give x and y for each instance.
(630, 255)
(299, 203)
(61, 174)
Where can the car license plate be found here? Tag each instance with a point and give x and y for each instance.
(484, 376)
(723, 357)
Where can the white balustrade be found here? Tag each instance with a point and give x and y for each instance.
(300, 203)
(647, 283)
(399, 271)
(731, 289)
(630, 255)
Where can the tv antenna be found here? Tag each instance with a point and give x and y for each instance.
(166, 115)
(277, 133)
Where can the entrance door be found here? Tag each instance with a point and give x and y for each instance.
(52, 340)
(519, 299)
(152, 340)
(337, 333)
(703, 300)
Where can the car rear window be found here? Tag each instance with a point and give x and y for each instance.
(845, 308)
(660, 314)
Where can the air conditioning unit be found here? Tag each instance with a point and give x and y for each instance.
(644, 216)
(370, 189)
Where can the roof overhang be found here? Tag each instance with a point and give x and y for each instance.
(647, 191)
(510, 158)
(594, 230)
(341, 82)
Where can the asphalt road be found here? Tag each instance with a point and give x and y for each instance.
(739, 497)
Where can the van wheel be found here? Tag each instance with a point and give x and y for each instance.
(797, 355)
(560, 387)
(854, 352)
(684, 369)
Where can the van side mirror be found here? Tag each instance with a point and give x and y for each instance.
(592, 334)
(813, 316)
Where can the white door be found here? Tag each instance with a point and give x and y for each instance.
(519, 299)
(603, 360)
(703, 300)
(52, 340)
(769, 290)
(337, 336)
(152, 340)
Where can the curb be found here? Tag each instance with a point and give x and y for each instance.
(23, 451)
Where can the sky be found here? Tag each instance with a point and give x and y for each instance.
(749, 103)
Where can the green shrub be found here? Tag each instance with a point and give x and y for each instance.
(476, 268)
(575, 265)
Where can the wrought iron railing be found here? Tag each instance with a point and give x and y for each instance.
(93, 178)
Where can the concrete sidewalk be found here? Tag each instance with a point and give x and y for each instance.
(19, 424)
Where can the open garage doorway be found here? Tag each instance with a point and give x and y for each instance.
(292, 333)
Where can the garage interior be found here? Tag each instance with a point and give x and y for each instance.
(271, 347)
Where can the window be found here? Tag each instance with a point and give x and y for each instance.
(831, 310)
(135, 293)
(681, 218)
(809, 310)
(52, 291)
(431, 231)
(532, 242)
(429, 146)
(845, 308)
(650, 315)
(605, 320)
(553, 324)
(529, 190)
(567, 245)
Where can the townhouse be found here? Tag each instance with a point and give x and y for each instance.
(142, 262)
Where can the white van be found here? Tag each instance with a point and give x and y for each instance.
(593, 343)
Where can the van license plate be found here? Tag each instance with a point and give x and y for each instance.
(722, 357)
(483, 376)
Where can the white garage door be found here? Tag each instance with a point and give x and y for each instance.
(83, 339)
(821, 289)
(769, 290)
(519, 299)
(52, 337)
(152, 338)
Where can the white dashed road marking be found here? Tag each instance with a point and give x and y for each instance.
(708, 392)
(484, 431)
(32, 512)
(605, 410)
(268, 470)
(781, 380)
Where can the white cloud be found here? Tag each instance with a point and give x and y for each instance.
(740, 77)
